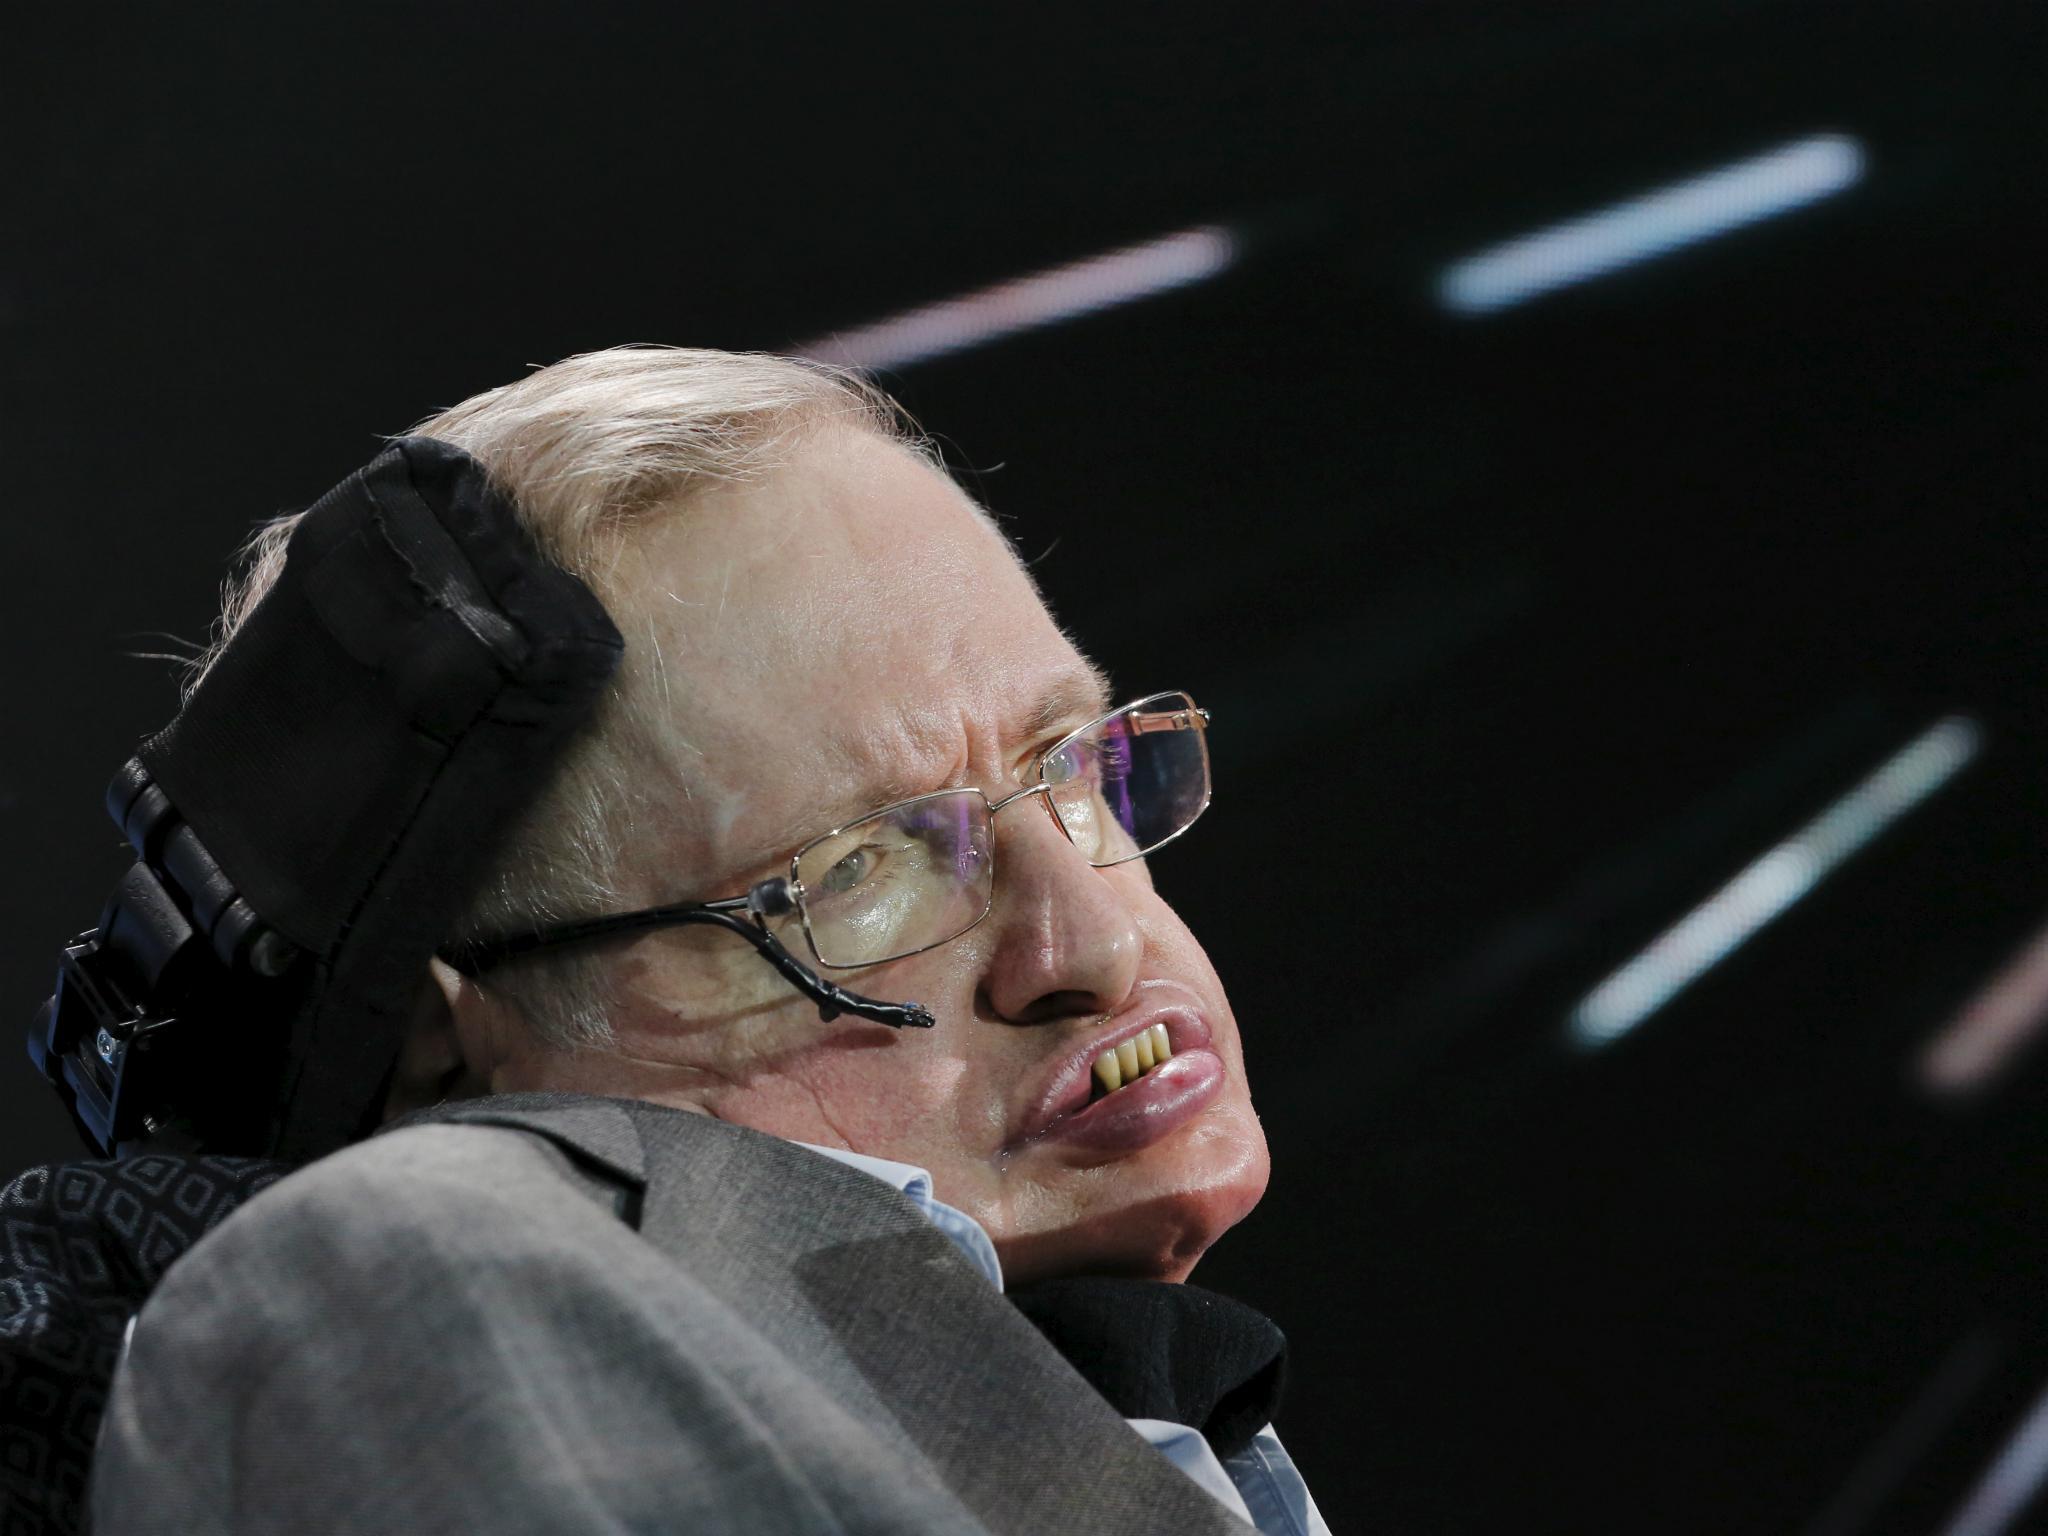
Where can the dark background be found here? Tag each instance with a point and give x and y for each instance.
(1523, 633)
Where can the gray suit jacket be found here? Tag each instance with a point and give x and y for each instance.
(568, 1314)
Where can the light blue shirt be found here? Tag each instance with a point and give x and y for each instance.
(1259, 1484)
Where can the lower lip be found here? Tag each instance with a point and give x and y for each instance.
(1154, 1107)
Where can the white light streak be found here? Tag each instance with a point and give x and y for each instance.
(2013, 1479)
(1655, 224)
(1732, 915)
(1029, 303)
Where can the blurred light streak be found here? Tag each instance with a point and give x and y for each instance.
(1732, 915)
(2011, 1482)
(1029, 303)
(1990, 1029)
(1655, 224)
(1900, 1450)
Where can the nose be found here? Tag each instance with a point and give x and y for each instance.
(1065, 941)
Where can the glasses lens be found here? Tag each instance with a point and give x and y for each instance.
(1140, 777)
(905, 879)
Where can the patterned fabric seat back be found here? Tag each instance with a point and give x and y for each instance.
(81, 1245)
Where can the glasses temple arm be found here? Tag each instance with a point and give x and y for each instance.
(1147, 720)
(473, 956)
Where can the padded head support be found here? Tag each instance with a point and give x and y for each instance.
(393, 703)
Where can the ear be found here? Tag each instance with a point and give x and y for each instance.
(433, 1065)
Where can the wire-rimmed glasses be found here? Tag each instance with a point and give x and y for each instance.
(920, 873)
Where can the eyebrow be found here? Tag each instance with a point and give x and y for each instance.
(1072, 698)
(1069, 701)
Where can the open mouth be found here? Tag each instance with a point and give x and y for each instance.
(1126, 1063)
(1104, 1104)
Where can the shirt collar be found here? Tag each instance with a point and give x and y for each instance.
(967, 1234)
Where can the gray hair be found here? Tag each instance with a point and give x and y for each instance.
(587, 450)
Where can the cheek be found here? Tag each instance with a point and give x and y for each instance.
(924, 1096)
(889, 1098)
(936, 1098)
(697, 996)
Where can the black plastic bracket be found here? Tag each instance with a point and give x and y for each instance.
(173, 938)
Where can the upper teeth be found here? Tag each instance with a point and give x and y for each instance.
(1131, 1060)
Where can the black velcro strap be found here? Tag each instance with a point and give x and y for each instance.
(393, 703)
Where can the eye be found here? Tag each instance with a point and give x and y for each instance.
(852, 870)
(1072, 764)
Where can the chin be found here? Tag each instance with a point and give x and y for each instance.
(1159, 1224)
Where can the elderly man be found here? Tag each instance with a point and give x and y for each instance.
(662, 1244)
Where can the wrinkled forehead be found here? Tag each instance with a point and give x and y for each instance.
(848, 631)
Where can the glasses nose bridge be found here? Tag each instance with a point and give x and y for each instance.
(1044, 791)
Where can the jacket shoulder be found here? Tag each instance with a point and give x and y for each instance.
(445, 1328)
(454, 1193)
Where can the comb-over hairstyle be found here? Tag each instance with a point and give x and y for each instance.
(587, 450)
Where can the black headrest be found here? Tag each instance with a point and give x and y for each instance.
(320, 811)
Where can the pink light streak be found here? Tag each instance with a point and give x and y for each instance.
(1993, 1026)
(1029, 303)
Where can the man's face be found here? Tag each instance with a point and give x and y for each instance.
(836, 637)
